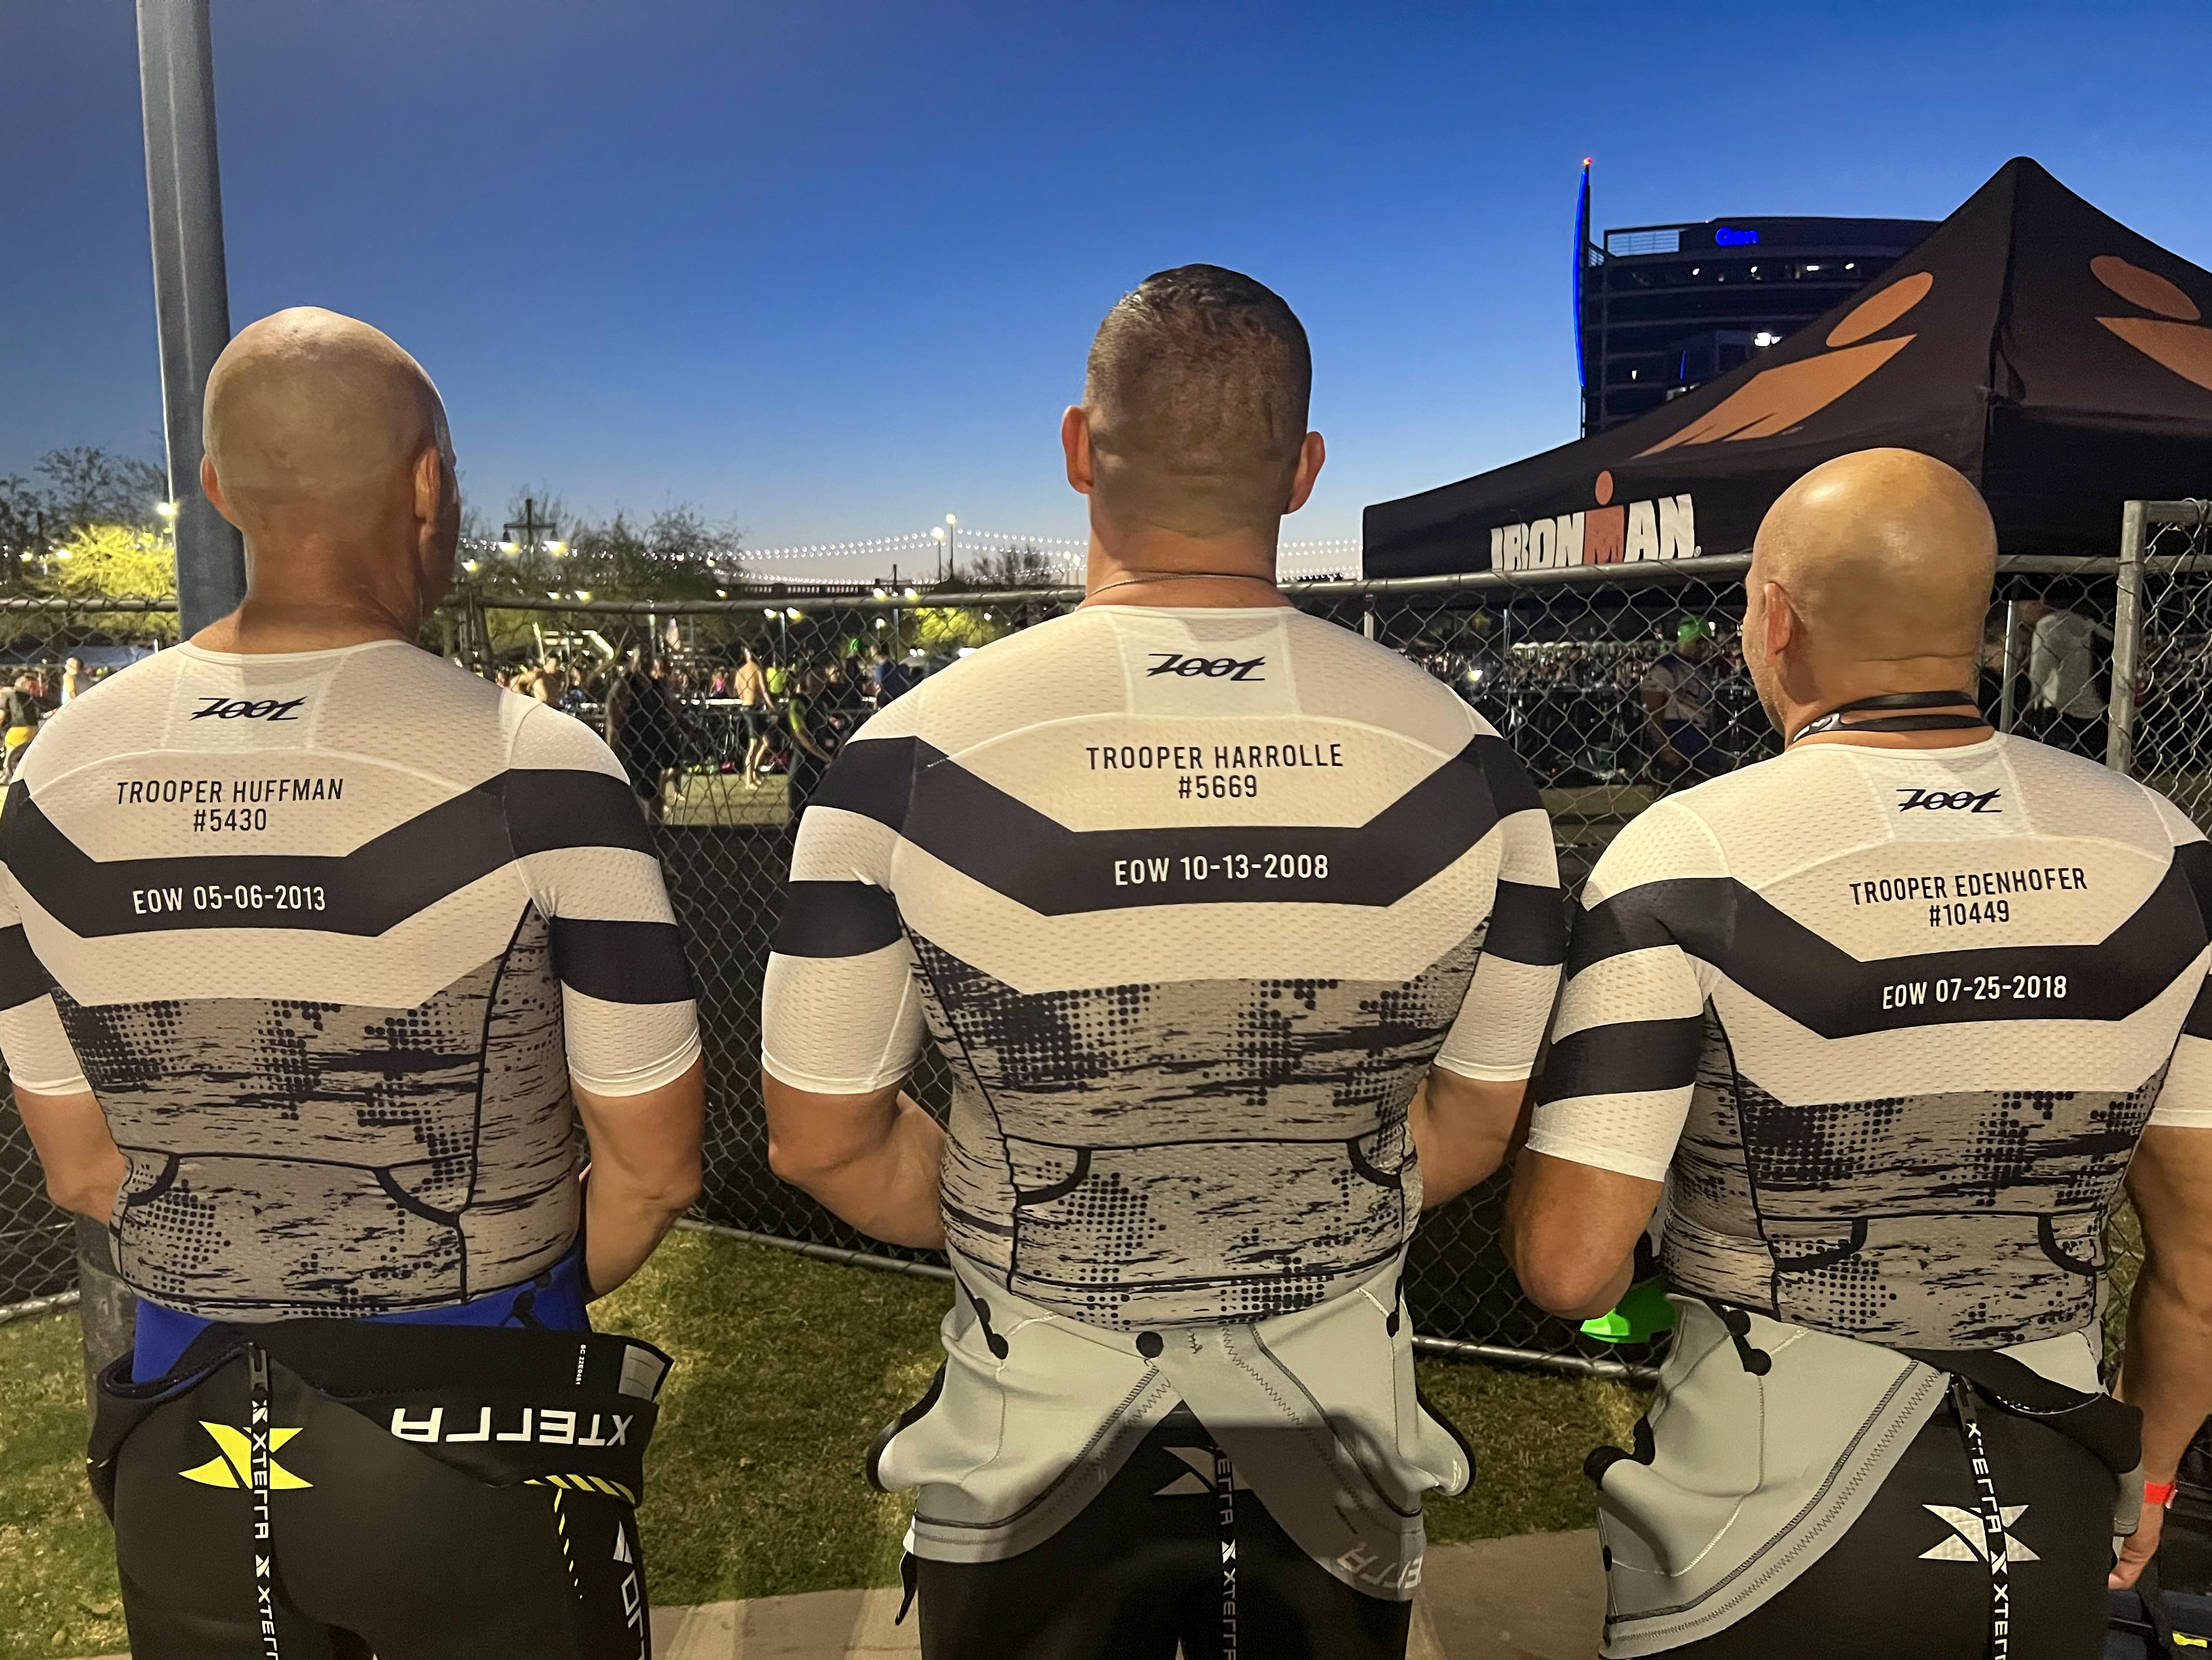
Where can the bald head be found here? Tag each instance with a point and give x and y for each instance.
(308, 410)
(1885, 555)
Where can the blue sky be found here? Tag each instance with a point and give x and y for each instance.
(828, 271)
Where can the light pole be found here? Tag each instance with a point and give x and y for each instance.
(947, 538)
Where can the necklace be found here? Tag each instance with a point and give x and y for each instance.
(1177, 576)
(1833, 719)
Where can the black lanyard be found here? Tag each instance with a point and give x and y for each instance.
(1833, 719)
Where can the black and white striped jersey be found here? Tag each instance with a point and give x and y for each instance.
(1190, 901)
(328, 934)
(1894, 1021)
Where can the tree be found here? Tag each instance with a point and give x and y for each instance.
(87, 486)
(1018, 565)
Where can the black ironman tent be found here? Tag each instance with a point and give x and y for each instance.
(2058, 360)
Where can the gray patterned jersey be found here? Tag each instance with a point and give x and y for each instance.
(1189, 939)
(1894, 1021)
(327, 935)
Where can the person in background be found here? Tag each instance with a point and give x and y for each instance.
(644, 730)
(1678, 707)
(2066, 698)
(813, 738)
(889, 679)
(74, 679)
(24, 711)
(756, 711)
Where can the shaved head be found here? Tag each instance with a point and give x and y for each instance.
(1883, 557)
(326, 445)
(307, 407)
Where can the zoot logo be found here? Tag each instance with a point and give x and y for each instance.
(1630, 533)
(247, 708)
(1210, 668)
(1947, 800)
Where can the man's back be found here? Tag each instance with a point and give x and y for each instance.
(1190, 900)
(1927, 999)
(315, 927)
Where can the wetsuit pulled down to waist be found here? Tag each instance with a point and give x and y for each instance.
(416, 1492)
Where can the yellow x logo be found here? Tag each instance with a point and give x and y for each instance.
(234, 1467)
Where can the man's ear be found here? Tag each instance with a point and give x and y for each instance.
(1311, 454)
(211, 487)
(1075, 440)
(429, 487)
(1784, 630)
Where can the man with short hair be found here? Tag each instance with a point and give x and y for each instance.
(1239, 933)
(1679, 691)
(323, 964)
(1881, 1025)
(889, 679)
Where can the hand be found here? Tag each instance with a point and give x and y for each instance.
(2137, 1549)
(1670, 757)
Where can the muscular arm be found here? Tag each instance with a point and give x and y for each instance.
(870, 1159)
(1461, 1129)
(644, 1171)
(1570, 1233)
(84, 1168)
(2168, 1372)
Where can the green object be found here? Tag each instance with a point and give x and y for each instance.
(1694, 628)
(1641, 1314)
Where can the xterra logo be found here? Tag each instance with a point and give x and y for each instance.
(1947, 800)
(546, 1426)
(247, 708)
(1630, 534)
(1209, 668)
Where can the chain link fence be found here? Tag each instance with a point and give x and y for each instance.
(1616, 684)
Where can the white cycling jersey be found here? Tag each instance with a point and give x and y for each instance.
(328, 934)
(1190, 901)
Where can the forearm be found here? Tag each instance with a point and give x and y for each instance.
(84, 1168)
(622, 1224)
(1456, 1157)
(886, 1185)
(2168, 1373)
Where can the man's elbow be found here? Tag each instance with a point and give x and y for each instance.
(1556, 1276)
(78, 1197)
(804, 1166)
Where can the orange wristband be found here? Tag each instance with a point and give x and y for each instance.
(2158, 1492)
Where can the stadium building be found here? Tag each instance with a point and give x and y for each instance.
(1661, 309)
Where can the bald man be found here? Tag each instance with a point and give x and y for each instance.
(1876, 1027)
(319, 959)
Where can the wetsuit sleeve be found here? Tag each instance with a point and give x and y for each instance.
(588, 859)
(1616, 1089)
(1509, 1002)
(38, 1050)
(840, 1005)
(2186, 1100)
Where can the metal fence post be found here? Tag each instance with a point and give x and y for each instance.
(2005, 697)
(2127, 641)
(191, 298)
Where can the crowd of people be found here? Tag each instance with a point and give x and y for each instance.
(363, 1020)
(666, 713)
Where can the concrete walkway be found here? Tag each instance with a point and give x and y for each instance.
(1538, 1597)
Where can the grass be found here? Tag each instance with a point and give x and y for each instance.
(785, 1369)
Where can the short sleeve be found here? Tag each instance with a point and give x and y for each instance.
(38, 1050)
(1616, 1088)
(841, 1007)
(627, 1004)
(1500, 1026)
(2185, 1101)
